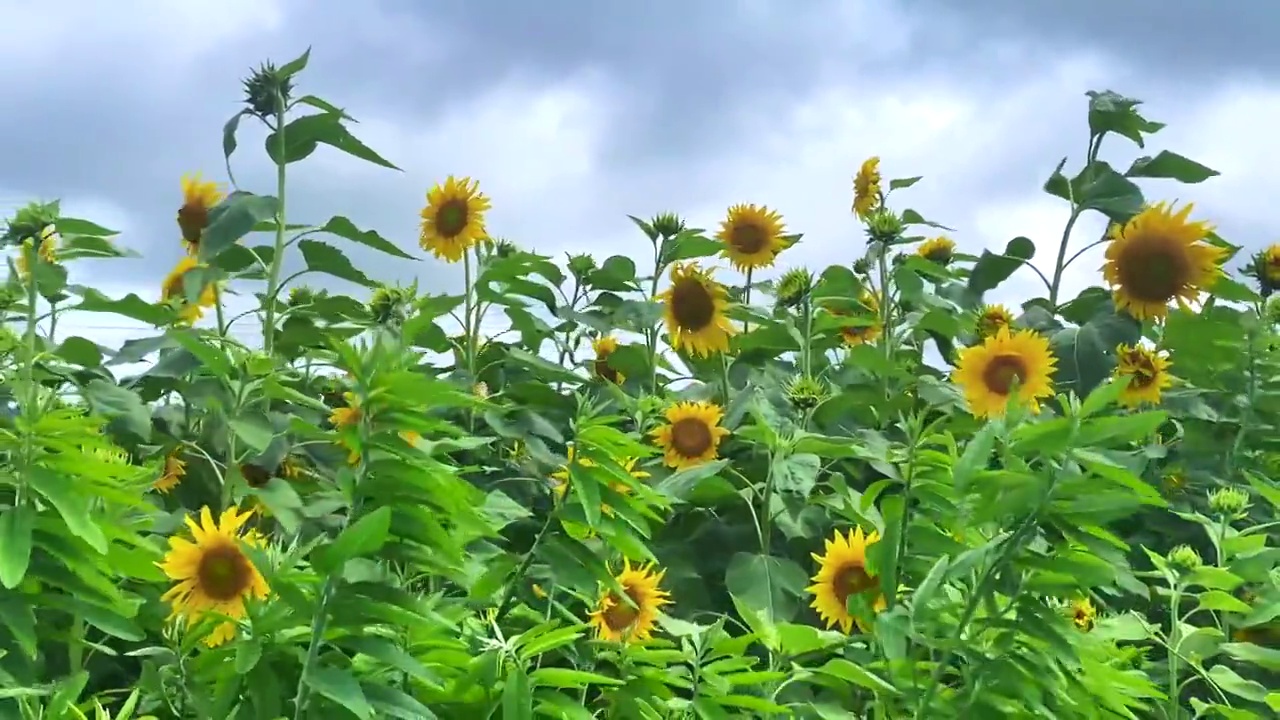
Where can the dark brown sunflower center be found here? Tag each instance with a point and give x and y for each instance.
(224, 572)
(691, 437)
(851, 580)
(748, 238)
(175, 288)
(692, 305)
(451, 218)
(192, 219)
(620, 615)
(255, 475)
(1154, 272)
(1002, 371)
(939, 254)
(1272, 269)
(1140, 369)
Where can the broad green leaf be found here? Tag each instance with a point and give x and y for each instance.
(367, 535)
(130, 306)
(16, 525)
(854, 673)
(79, 351)
(341, 687)
(517, 699)
(118, 404)
(344, 228)
(254, 430)
(1172, 166)
(303, 134)
(325, 258)
(232, 219)
(71, 502)
(769, 584)
(992, 269)
(568, 678)
(1111, 112)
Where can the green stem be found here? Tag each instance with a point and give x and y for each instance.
(886, 315)
(806, 349)
(746, 300)
(651, 334)
(525, 562)
(765, 518)
(31, 394)
(1060, 264)
(470, 330)
(277, 258)
(1174, 710)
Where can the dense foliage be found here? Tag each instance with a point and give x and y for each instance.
(663, 492)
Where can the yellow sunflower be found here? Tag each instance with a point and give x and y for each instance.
(1148, 373)
(1269, 264)
(866, 187)
(864, 334)
(634, 618)
(941, 250)
(1158, 257)
(1083, 614)
(695, 305)
(1174, 483)
(171, 475)
(692, 434)
(992, 318)
(560, 478)
(212, 573)
(27, 252)
(173, 291)
(842, 573)
(198, 198)
(453, 219)
(604, 347)
(347, 415)
(987, 373)
(752, 236)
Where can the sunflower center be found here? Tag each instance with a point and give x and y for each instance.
(1002, 371)
(748, 238)
(451, 218)
(1141, 371)
(1154, 272)
(255, 475)
(192, 219)
(691, 437)
(851, 580)
(620, 615)
(692, 305)
(604, 371)
(224, 572)
(175, 288)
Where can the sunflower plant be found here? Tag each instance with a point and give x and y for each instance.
(709, 485)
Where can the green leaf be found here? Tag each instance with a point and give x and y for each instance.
(992, 269)
(130, 306)
(232, 219)
(567, 678)
(768, 584)
(1171, 166)
(120, 405)
(688, 245)
(72, 503)
(76, 226)
(1223, 602)
(79, 351)
(341, 687)
(616, 273)
(900, 183)
(344, 228)
(303, 134)
(1086, 355)
(294, 66)
(1111, 112)
(255, 431)
(1263, 657)
(229, 134)
(366, 536)
(1230, 680)
(16, 525)
(975, 457)
(517, 699)
(856, 674)
(325, 258)
(1099, 187)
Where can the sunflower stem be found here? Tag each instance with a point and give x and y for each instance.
(746, 300)
(509, 597)
(1061, 263)
(886, 314)
(470, 328)
(277, 258)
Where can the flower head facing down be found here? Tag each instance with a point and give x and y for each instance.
(174, 291)
(866, 187)
(199, 197)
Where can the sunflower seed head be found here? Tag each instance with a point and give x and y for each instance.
(806, 393)
(266, 91)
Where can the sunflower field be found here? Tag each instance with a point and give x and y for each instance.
(667, 489)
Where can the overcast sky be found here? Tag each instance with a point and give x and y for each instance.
(573, 113)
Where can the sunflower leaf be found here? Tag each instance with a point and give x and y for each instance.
(1171, 166)
(367, 535)
(232, 219)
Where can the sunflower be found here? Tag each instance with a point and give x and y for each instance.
(695, 305)
(348, 414)
(170, 477)
(1083, 614)
(692, 434)
(987, 372)
(752, 237)
(603, 347)
(1157, 258)
(1174, 483)
(992, 318)
(27, 252)
(198, 198)
(560, 478)
(453, 219)
(212, 573)
(941, 250)
(625, 620)
(173, 290)
(866, 187)
(1147, 371)
(864, 334)
(842, 573)
(1269, 265)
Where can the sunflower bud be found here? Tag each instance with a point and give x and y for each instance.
(794, 287)
(940, 250)
(806, 393)
(862, 267)
(1265, 268)
(884, 226)
(502, 248)
(9, 340)
(667, 225)
(1184, 557)
(301, 295)
(481, 390)
(387, 305)
(1228, 502)
(266, 91)
(581, 266)
(30, 222)
(9, 296)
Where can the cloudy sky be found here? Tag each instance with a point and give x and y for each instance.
(574, 113)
